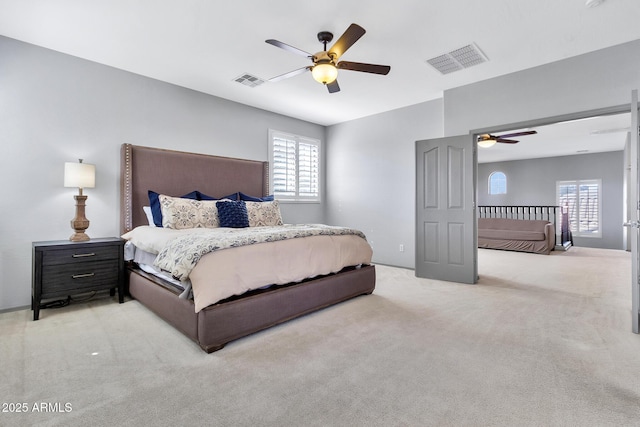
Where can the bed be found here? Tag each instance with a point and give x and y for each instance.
(170, 172)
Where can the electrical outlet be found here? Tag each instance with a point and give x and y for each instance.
(401, 248)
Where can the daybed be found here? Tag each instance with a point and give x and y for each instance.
(212, 326)
(536, 236)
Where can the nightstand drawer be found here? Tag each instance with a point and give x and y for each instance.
(70, 277)
(80, 255)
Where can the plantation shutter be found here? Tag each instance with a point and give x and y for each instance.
(589, 193)
(567, 198)
(295, 167)
(284, 167)
(308, 170)
(582, 201)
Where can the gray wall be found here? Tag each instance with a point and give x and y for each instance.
(371, 177)
(56, 108)
(600, 79)
(533, 182)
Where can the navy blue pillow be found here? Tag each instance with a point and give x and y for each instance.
(233, 214)
(247, 198)
(154, 202)
(202, 196)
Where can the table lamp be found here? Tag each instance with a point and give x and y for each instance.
(81, 175)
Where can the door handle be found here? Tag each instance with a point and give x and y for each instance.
(632, 224)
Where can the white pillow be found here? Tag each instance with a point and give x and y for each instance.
(147, 212)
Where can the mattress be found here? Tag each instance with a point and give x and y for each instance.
(220, 274)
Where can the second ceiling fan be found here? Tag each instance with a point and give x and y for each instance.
(325, 63)
(487, 140)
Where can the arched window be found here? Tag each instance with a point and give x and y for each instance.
(497, 183)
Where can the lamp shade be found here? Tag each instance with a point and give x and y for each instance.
(80, 175)
(324, 73)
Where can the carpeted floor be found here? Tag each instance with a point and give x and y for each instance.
(539, 341)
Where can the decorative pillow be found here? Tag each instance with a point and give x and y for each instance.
(264, 214)
(247, 198)
(232, 214)
(154, 202)
(179, 213)
(202, 196)
(149, 214)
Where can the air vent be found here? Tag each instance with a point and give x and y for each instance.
(458, 59)
(608, 131)
(249, 80)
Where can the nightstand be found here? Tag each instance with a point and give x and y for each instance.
(62, 268)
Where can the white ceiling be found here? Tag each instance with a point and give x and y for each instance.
(205, 44)
(591, 135)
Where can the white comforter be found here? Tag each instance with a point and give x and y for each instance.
(219, 274)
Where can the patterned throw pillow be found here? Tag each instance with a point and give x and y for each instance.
(156, 210)
(232, 214)
(178, 213)
(264, 213)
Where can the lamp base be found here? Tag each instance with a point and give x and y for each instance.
(79, 237)
(80, 222)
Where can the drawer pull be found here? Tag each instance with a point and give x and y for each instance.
(83, 255)
(82, 276)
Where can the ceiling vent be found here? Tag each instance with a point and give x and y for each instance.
(593, 3)
(458, 59)
(249, 80)
(608, 131)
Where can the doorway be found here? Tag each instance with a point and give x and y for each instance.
(590, 150)
(628, 205)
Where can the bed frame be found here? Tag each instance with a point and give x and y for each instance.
(176, 173)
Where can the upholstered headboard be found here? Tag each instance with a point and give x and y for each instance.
(175, 173)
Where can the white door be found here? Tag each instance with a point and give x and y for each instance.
(633, 222)
(446, 236)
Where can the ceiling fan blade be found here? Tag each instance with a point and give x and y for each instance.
(510, 135)
(506, 141)
(366, 68)
(333, 87)
(289, 74)
(289, 48)
(352, 35)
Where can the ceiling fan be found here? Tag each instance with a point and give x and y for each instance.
(487, 140)
(325, 63)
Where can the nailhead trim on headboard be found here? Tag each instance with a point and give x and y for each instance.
(128, 202)
(266, 189)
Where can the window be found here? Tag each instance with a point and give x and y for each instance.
(294, 167)
(582, 201)
(497, 183)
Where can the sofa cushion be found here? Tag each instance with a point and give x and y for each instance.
(510, 235)
(511, 229)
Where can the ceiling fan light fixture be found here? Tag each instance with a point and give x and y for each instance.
(486, 143)
(325, 63)
(324, 72)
